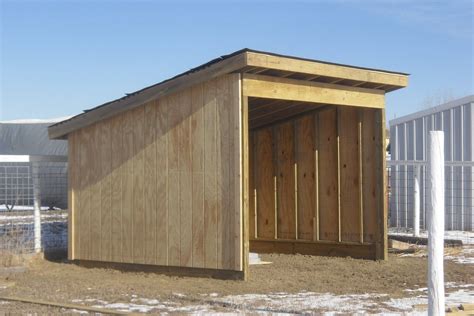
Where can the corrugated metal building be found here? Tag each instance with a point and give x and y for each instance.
(30, 137)
(408, 138)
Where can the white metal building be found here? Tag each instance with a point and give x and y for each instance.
(20, 139)
(408, 139)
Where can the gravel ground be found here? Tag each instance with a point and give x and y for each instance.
(304, 277)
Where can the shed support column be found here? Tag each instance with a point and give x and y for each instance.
(245, 185)
(381, 252)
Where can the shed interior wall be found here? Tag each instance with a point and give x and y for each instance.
(160, 184)
(313, 182)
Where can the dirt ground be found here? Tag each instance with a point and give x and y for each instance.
(66, 282)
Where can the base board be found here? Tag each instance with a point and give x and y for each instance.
(320, 248)
(167, 270)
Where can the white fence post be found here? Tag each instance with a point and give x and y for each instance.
(416, 202)
(436, 224)
(37, 206)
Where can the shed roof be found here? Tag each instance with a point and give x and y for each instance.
(243, 61)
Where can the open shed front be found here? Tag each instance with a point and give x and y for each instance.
(315, 167)
(251, 151)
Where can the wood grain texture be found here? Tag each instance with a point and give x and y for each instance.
(286, 181)
(105, 161)
(127, 189)
(116, 179)
(150, 182)
(83, 215)
(305, 138)
(349, 166)
(174, 217)
(162, 182)
(306, 91)
(264, 183)
(369, 175)
(95, 200)
(328, 203)
(197, 144)
(210, 175)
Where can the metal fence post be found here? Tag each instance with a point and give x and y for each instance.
(36, 205)
(416, 201)
(436, 224)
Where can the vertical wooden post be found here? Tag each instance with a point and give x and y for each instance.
(316, 178)
(381, 252)
(245, 182)
(71, 185)
(361, 173)
(295, 148)
(275, 178)
(338, 143)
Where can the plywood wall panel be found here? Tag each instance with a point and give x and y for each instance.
(105, 161)
(162, 182)
(286, 180)
(150, 181)
(210, 174)
(328, 203)
(85, 205)
(369, 175)
(116, 134)
(138, 176)
(305, 159)
(264, 183)
(127, 188)
(95, 200)
(349, 166)
(252, 191)
(197, 148)
(174, 217)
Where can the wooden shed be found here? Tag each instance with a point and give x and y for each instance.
(252, 150)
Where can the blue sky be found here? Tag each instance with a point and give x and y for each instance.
(61, 57)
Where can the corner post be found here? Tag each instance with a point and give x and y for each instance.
(381, 252)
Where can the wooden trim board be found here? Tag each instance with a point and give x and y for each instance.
(315, 248)
(261, 86)
(167, 270)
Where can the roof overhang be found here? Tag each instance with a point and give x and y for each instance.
(243, 61)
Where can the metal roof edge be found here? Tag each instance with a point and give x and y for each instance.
(439, 108)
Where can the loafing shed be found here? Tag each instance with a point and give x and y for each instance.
(250, 151)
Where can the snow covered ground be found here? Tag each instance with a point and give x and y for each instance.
(289, 303)
(17, 231)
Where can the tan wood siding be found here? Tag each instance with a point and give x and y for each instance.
(160, 184)
(326, 183)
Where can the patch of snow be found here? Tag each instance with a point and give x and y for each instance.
(465, 257)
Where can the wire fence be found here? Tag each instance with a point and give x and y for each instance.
(459, 198)
(23, 181)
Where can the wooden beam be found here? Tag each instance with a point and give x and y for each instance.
(316, 178)
(361, 173)
(338, 143)
(308, 91)
(166, 270)
(318, 248)
(381, 251)
(325, 69)
(245, 134)
(148, 94)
